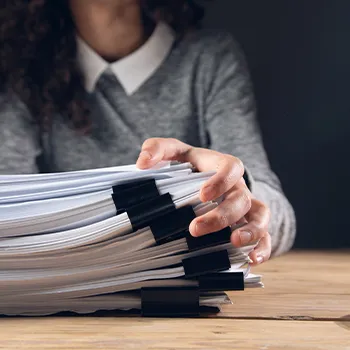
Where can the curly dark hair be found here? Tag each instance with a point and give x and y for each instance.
(38, 53)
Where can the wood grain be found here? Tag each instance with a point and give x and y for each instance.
(300, 285)
(125, 333)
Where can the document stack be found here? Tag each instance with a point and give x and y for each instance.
(114, 239)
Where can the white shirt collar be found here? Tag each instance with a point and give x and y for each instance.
(133, 70)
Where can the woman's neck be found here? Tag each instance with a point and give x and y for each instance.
(114, 29)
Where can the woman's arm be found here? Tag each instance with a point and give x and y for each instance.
(18, 138)
(232, 128)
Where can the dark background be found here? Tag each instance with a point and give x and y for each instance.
(298, 52)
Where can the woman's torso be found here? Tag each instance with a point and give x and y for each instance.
(168, 104)
(171, 102)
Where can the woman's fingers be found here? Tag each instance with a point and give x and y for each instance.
(229, 170)
(239, 208)
(155, 150)
(231, 210)
(262, 251)
(258, 219)
(237, 204)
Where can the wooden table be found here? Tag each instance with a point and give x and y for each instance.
(305, 305)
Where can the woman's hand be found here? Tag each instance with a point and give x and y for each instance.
(238, 206)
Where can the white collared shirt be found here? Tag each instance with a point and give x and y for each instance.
(133, 70)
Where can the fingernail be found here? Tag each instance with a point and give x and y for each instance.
(208, 192)
(245, 237)
(259, 259)
(145, 155)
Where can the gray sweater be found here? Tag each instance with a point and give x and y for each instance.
(201, 95)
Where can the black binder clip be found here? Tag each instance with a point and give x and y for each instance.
(170, 302)
(210, 240)
(173, 225)
(223, 281)
(145, 213)
(207, 263)
(129, 194)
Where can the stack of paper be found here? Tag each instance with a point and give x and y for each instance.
(112, 239)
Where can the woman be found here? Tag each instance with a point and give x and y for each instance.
(86, 82)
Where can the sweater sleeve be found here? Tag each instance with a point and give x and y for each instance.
(232, 128)
(18, 138)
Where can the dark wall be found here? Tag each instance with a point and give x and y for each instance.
(298, 52)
